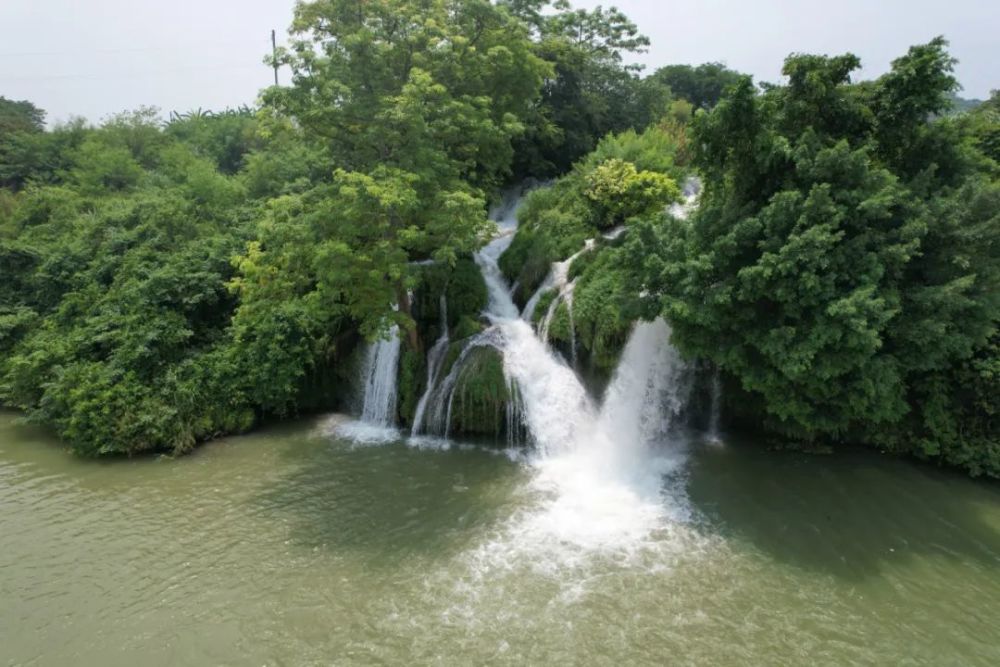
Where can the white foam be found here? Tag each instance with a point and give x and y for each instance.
(363, 433)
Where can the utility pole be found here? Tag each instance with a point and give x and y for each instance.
(274, 56)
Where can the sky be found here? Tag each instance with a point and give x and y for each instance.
(92, 58)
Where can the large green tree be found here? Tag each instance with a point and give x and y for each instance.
(19, 116)
(844, 267)
(417, 104)
(22, 143)
(701, 85)
(592, 91)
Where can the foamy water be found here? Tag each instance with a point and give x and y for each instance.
(606, 477)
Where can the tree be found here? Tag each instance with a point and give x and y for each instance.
(21, 141)
(20, 116)
(227, 137)
(417, 104)
(984, 126)
(619, 191)
(702, 86)
(592, 91)
(839, 271)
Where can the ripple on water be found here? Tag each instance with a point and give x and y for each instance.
(283, 548)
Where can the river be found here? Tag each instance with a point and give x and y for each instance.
(293, 547)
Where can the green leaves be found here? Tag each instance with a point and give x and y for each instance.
(831, 269)
(620, 192)
(22, 116)
(702, 86)
(116, 313)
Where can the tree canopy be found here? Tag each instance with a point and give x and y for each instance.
(844, 267)
(701, 85)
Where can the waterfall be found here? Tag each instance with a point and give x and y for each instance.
(435, 359)
(600, 469)
(529, 308)
(602, 474)
(648, 392)
(381, 364)
(543, 326)
(690, 193)
(715, 411)
(642, 404)
(557, 410)
(500, 302)
(558, 279)
(600, 466)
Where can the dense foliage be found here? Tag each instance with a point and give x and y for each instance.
(165, 282)
(844, 268)
(114, 309)
(590, 91)
(628, 177)
(702, 86)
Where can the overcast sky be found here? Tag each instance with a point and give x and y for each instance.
(96, 57)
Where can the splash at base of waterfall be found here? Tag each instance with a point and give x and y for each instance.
(608, 479)
(379, 380)
(606, 476)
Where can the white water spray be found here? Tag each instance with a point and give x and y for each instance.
(715, 411)
(435, 359)
(380, 381)
(690, 193)
(378, 412)
(600, 471)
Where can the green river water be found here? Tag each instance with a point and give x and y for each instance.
(291, 547)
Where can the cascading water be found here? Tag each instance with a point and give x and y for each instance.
(378, 411)
(435, 359)
(558, 280)
(440, 397)
(600, 469)
(557, 411)
(690, 192)
(381, 366)
(529, 308)
(715, 410)
(599, 473)
(649, 390)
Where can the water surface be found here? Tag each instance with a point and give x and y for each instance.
(293, 547)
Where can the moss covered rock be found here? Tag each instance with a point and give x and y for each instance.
(604, 307)
(542, 307)
(463, 287)
(561, 327)
(412, 383)
(480, 401)
(467, 327)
